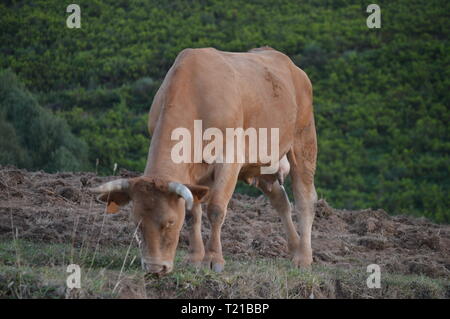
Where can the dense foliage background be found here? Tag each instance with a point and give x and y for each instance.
(381, 95)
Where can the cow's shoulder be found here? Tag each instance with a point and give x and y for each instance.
(263, 48)
(272, 53)
(190, 54)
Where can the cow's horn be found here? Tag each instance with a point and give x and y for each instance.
(117, 185)
(184, 192)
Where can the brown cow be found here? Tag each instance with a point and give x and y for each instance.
(261, 88)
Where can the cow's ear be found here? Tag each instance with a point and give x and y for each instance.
(114, 200)
(199, 192)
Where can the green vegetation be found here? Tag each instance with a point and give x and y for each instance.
(37, 270)
(381, 95)
(32, 136)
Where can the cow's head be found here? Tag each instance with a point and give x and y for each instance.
(158, 212)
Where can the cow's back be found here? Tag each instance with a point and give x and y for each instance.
(261, 88)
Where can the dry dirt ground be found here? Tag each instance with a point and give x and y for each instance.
(57, 208)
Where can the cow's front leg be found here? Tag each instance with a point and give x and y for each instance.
(224, 184)
(194, 225)
(214, 257)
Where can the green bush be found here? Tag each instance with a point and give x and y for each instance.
(116, 136)
(11, 151)
(32, 137)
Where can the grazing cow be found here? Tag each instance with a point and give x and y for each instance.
(261, 88)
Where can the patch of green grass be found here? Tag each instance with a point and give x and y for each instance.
(419, 286)
(41, 254)
(38, 270)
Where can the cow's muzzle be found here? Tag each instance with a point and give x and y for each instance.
(159, 269)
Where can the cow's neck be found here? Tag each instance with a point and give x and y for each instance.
(160, 164)
(159, 161)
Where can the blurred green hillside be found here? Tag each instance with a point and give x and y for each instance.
(381, 95)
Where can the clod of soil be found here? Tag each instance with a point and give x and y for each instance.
(69, 193)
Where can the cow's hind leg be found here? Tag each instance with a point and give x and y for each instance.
(225, 178)
(302, 159)
(194, 224)
(280, 202)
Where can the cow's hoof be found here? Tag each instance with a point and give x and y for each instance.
(193, 261)
(195, 264)
(214, 263)
(302, 262)
(217, 267)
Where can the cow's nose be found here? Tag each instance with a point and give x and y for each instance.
(166, 268)
(158, 269)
